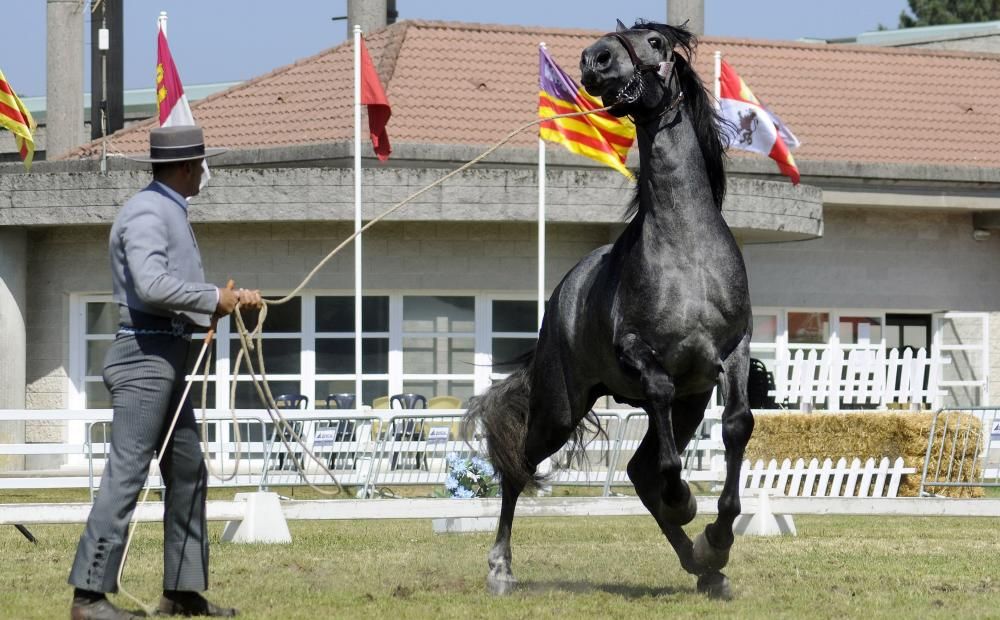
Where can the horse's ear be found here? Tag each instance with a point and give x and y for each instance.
(621, 27)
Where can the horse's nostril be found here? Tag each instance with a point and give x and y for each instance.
(604, 59)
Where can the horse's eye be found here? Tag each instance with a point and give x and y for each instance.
(654, 43)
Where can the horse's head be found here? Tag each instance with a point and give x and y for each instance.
(633, 68)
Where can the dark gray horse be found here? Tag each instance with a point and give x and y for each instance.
(656, 320)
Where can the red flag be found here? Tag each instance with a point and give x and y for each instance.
(170, 99)
(373, 96)
(755, 129)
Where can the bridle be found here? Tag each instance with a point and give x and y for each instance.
(634, 88)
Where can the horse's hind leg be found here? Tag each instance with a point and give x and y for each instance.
(552, 417)
(644, 473)
(500, 579)
(711, 548)
(679, 505)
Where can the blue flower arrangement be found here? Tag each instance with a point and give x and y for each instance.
(470, 477)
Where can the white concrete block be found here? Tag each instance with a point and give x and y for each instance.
(764, 522)
(263, 522)
(463, 525)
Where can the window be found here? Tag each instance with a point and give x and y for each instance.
(514, 333)
(864, 331)
(100, 326)
(282, 354)
(438, 344)
(335, 347)
(99, 332)
(808, 328)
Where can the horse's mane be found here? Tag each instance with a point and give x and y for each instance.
(704, 115)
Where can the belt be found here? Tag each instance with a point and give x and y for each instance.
(154, 325)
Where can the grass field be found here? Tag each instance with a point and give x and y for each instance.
(838, 567)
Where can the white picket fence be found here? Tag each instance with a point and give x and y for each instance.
(826, 479)
(866, 377)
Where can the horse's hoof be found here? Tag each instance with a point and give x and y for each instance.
(709, 558)
(715, 585)
(500, 585)
(682, 514)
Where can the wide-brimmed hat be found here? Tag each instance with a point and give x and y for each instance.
(177, 143)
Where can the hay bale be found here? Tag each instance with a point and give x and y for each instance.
(871, 434)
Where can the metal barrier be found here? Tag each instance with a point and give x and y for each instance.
(950, 441)
(224, 453)
(376, 449)
(413, 448)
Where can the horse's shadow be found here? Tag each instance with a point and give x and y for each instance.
(581, 587)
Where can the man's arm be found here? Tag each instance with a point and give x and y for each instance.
(145, 238)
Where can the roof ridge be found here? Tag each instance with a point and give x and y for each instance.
(794, 44)
(486, 27)
(850, 48)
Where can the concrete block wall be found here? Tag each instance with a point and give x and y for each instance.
(994, 396)
(917, 260)
(920, 261)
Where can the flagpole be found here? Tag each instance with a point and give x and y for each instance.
(717, 87)
(161, 22)
(541, 226)
(357, 217)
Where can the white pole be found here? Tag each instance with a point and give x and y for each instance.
(541, 227)
(717, 88)
(161, 22)
(357, 217)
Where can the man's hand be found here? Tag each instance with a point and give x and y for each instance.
(250, 299)
(228, 298)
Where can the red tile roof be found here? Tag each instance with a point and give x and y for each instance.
(460, 83)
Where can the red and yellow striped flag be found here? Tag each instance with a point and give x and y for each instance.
(16, 118)
(599, 136)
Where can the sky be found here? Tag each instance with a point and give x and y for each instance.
(234, 40)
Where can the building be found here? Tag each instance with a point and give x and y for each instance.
(886, 243)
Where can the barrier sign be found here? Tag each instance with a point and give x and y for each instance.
(995, 433)
(325, 437)
(438, 433)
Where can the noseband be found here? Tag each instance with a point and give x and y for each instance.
(634, 88)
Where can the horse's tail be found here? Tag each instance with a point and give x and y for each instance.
(503, 412)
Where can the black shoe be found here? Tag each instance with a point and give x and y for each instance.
(191, 604)
(99, 609)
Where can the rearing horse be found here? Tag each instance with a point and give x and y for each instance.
(655, 320)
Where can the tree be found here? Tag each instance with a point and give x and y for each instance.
(935, 12)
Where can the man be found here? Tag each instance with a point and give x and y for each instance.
(162, 297)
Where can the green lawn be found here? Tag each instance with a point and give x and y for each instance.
(838, 567)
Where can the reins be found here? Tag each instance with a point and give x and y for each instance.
(252, 340)
(634, 88)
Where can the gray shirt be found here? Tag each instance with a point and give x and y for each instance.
(155, 262)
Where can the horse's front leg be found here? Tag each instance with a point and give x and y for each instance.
(711, 548)
(679, 505)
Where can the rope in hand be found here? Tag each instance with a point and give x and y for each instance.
(252, 341)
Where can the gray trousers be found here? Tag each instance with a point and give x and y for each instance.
(145, 374)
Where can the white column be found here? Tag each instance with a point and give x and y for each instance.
(13, 352)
